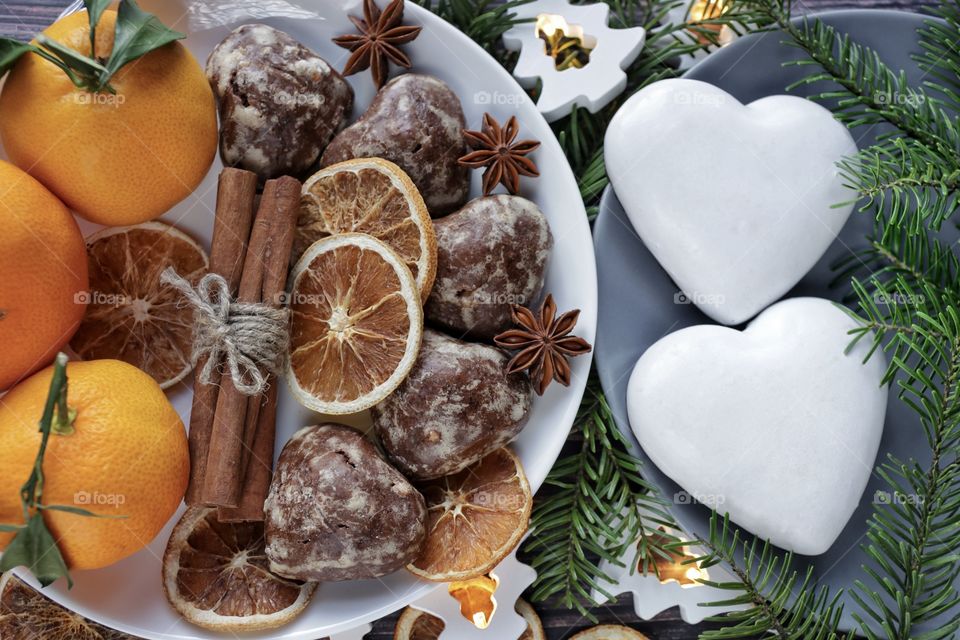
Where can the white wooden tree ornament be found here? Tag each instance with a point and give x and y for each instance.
(594, 85)
(651, 596)
(506, 624)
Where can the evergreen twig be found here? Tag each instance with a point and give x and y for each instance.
(600, 509)
(771, 596)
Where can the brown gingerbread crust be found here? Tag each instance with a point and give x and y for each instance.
(280, 103)
(491, 254)
(338, 511)
(456, 406)
(416, 122)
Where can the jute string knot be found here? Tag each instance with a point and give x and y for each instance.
(249, 338)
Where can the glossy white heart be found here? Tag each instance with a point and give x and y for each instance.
(775, 425)
(735, 201)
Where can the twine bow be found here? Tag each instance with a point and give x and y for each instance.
(248, 337)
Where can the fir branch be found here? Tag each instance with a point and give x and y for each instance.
(909, 301)
(941, 53)
(872, 93)
(773, 596)
(913, 533)
(892, 251)
(898, 277)
(916, 168)
(483, 21)
(601, 508)
(919, 188)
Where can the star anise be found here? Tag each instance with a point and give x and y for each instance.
(544, 344)
(504, 159)
(379, 40)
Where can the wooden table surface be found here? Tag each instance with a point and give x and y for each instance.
(23, 19)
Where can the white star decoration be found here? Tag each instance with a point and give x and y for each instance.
(592, 86)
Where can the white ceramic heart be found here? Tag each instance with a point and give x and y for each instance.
(776, 425)
(735, 201)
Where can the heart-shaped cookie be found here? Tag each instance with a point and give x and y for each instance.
(775, 425)
(735, 201)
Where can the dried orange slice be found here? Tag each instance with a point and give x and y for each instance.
(415, 624)
(216, 575)
(130, 315)
(476, 517)
(25, 614)
(534, 626)
(356, 324)
(376, 197)
(609, 632)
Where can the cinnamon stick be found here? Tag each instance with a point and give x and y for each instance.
(259, 467)
(236, 192)
(261, 422)
(268, 255)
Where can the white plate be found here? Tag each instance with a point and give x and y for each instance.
(128, 596)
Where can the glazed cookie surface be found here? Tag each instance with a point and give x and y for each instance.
(491, 254)
(456, 406)
(338, 511)
(280, 103)
(416, 122)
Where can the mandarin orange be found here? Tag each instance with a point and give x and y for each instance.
(115, 159)
(43, 275)
(126, 457)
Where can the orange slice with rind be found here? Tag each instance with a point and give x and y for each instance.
(132, 316)
(475, 518)
(217, 576)
(26, 614)
(356, 324)
(609, 632)
(376, 197)
(415, 624)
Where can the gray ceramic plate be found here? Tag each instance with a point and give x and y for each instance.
(637, 297)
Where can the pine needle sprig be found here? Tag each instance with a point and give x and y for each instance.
(940, 59)
(483, 21)
(870, 91)
(601, 507)
(896, 280)
(907, 293)
(914, 532)
(916, 166)
(581, 138)
(908, 183)
(772, 595)
(892, 251)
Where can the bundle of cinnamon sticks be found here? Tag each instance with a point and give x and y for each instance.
(232, 435)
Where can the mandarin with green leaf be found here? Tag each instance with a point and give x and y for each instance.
(124, 458)
(118, 145)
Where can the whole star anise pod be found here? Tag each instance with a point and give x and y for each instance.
(505, 160)
(379, 40)
(544, 344)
